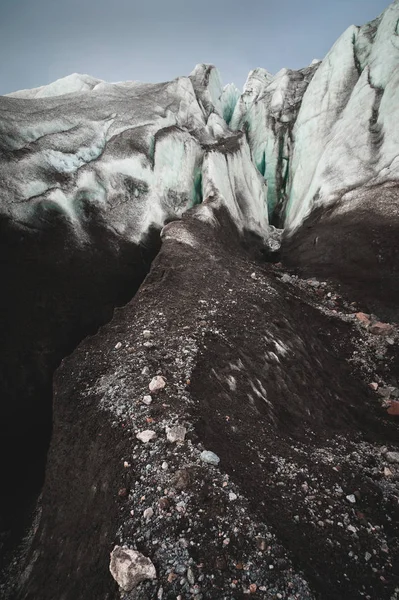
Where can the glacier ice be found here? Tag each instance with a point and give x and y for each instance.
(145, 153)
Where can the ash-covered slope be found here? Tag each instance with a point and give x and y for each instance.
(87, 180)
(269, 371)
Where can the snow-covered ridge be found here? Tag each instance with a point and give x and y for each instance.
(141, 153)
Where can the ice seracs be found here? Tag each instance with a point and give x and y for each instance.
(143, 154)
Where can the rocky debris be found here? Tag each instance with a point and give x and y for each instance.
(129, 567)
(146, 436)
(157, 383)
(147, 400)
(381, 328)
(175, 434)
(393, 408)
(210, 457)
(392, 457)
(148, 513)
(363, 318)
(204, 535)
(351, 498)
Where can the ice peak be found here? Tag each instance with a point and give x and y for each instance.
(76, 82)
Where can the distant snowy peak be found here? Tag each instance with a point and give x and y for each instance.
(66, 85)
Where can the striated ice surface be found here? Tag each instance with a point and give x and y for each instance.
(139, 154)
(145, 153)
(346, 135)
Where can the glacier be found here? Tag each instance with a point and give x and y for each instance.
(314, 136)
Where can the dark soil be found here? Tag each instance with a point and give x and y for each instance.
(270, 375)
(56, 290)
(357, 248)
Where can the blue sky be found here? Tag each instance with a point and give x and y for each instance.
(157, 40)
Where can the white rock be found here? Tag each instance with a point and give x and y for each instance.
(146, 334)
(147, 400)
(253, 275)
(146, 436)
(210, 457)
(118, 346)
(352, 529)
(145, 371)
(164, 466)
(351, 498)
(176, 433)
(392, 457)
(148, 513)
(232, 496)
(129, 567)
(157, 383)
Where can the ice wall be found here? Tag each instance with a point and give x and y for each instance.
(141, 152)
(346, 134)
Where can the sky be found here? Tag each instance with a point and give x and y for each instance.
(158, 40)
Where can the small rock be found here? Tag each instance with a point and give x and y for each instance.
(232, 496)
(147, 400)
(367, 556)
(394, 408)
(164, 466)
(381, 328)
(145, 371)
(314, 283)
(164, 503)
(157, 383)
(181, 479)
(261, 543)
(146, 436)
(176, 433)
(286, 278)
(253, 275)
(118, 346)
(373, 385)
(210, 457)
(352, 529)
(363, 318)
(384, 392)
(252, 588)
(148, 513)
(392, 457)
(351, 498)
(146, 334)
(387, 472)
(190, 576)
(129, 567)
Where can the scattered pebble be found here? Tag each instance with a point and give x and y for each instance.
(210, 457)
(129, 567)
(148, 513)
(392, 457)
(157, 383)
(176, 433)
(146, 436)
